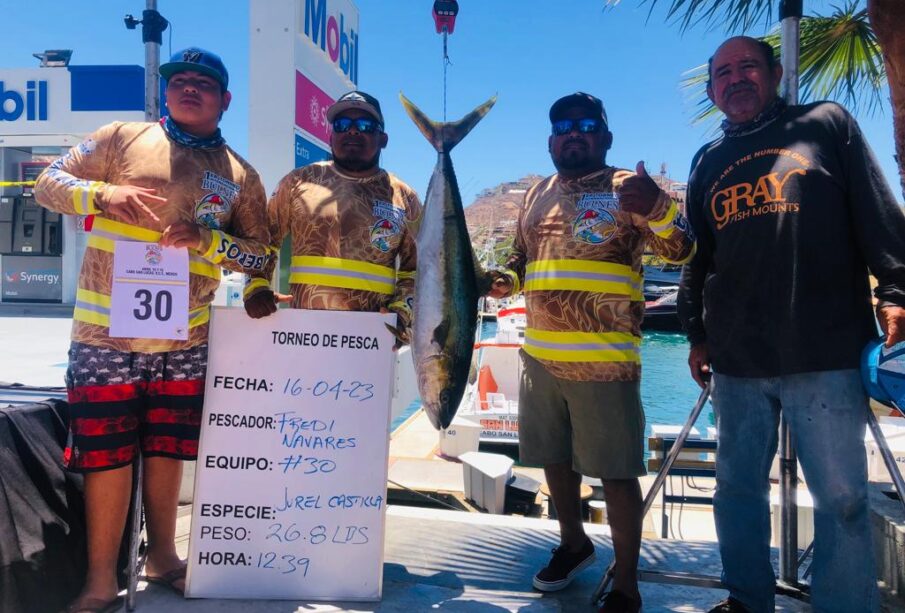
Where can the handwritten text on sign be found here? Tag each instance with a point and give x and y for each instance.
(290, 487)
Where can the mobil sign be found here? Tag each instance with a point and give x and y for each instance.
(68, 100)
(332, 27)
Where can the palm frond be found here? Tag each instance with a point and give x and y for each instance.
(730, 15)
(840, 59)
(694, 86)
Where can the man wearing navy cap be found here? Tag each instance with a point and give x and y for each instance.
(577, 257)
(177, 184)
(351, 247)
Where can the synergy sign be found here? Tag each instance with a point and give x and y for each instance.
(32, 278)
(332, 27)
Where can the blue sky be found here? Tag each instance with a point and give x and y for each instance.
(529, 53)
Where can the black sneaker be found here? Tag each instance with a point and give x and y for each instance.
(730, 605)
(563, 566)
(618, 602)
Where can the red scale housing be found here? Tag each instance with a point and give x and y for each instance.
(445, 12)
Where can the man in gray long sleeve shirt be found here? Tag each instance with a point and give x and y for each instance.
(790, 210)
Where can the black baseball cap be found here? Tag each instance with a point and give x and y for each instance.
(199, 60)
(582, 100)
(355, 100)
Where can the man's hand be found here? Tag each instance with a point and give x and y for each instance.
(501, 286)
(892, 322)
(130, 202)
(699, 364)
(181, 234)
(638, 194)
(264, 302)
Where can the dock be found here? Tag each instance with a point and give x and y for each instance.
(436, 558)
(467, 562)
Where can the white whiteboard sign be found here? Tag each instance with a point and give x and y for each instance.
(290, 486)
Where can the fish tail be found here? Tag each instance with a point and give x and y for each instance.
(445, 136)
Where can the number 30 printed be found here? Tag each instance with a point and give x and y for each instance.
(161, 309)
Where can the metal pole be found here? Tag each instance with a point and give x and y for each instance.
(790, 16)
(788, 493)
(150, 34)
(661, 477)
(135, 561)
(887, 456)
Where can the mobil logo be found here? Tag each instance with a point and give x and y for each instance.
(32, 102)
(331, 29)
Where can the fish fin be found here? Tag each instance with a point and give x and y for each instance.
(445, 136)
(397, 335)
(441, 332)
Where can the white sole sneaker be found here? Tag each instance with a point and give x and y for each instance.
(555, 586)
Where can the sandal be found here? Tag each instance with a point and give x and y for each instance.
(95, 605)
(169, 579)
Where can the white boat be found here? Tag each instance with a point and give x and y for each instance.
(488, 412)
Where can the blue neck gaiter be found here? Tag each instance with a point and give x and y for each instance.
(182, 137)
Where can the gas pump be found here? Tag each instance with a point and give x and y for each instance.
(7, 206)
(31, 243)
(26, 228)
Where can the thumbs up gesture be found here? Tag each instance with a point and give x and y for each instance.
(638, 194)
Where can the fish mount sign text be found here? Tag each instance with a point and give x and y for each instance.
(290, 485)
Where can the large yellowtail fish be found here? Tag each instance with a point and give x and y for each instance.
(448, 281)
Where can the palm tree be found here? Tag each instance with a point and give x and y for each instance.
(840, 53)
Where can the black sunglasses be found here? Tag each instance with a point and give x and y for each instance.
(585, 126)
(363, 125)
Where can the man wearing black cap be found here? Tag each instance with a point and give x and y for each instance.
(348, 219)
(177, 184)
(577, 257)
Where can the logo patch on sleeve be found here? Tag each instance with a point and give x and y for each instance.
(217, 202)
(216, 184)
(389, 224)
(595, 223)
(208, 209)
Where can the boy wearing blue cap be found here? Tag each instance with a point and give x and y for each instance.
(174, 183)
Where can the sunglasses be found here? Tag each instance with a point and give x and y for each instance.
(585, 126)
(364, 125)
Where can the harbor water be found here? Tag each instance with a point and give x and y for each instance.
(667, 391)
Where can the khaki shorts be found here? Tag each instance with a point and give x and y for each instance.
(597, 426)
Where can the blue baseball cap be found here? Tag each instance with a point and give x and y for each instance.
(198, 60)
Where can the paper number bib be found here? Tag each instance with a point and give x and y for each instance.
(150, 296)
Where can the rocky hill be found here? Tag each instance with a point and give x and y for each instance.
(495, 211)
